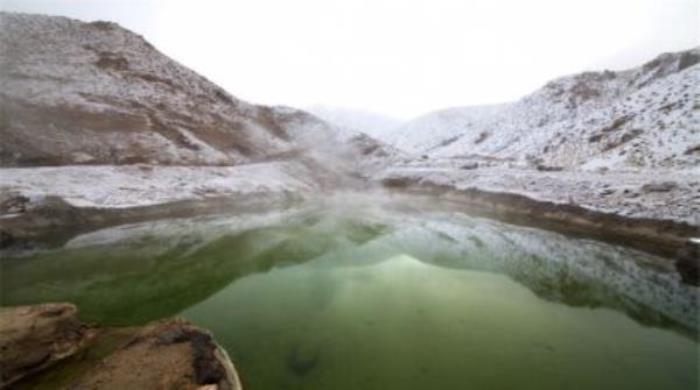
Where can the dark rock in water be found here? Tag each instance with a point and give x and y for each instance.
(468, 166)
(301, 362)
(688, 263)
(660, 187)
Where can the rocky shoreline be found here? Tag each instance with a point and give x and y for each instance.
(634, 213)
(52, 222)
(672, 239)
(47, 345)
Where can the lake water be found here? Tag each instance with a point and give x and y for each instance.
(354, 293)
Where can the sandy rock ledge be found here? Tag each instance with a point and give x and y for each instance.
(41, 343)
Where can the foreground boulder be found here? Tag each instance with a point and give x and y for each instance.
(33, 338)
(168, 354)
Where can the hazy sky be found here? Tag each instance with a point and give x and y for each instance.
(401, 58)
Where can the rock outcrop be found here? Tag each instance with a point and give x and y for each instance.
(168, 354)
(33, 338)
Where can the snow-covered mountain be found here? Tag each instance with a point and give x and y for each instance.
(96, 93)
(370, 123)
(643, 117)
(124, 125)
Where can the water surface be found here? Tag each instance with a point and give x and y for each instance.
(398, 295)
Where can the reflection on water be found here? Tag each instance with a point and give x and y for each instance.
(351, 294)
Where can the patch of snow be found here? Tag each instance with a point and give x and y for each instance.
(140, 185)
(618, 192)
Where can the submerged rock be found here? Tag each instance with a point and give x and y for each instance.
(301, 360)
(167, 354)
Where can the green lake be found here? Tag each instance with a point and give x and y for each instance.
(353, 293)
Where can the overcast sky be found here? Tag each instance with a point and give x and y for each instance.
(400, 58)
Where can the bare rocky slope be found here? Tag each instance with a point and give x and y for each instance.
(96, 93)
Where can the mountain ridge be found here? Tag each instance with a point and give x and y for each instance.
(589, 120)
(95, 93)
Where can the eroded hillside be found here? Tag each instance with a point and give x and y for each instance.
(96, 93)
(646, 117)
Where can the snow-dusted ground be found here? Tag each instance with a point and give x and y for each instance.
(620, 192)
(140, 185)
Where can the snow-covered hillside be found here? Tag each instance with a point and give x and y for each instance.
(95, 93)
(643, 117)
(122, 125)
